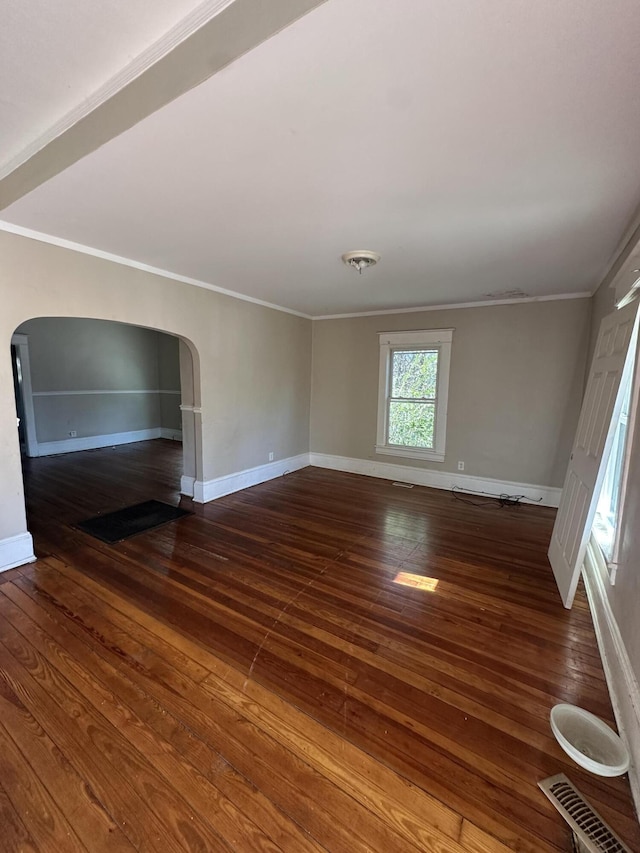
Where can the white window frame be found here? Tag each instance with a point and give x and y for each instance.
(440, 339)
(612, 563)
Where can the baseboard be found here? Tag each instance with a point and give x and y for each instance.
(186, 486)
(16, 551)
(93, 442)
(209, 490)
(621, 680)
(545, 495)
(171, 434)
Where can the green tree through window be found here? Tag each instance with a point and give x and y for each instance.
(413, 393)
(412, 402)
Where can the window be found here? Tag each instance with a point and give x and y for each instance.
(607, 510)
(412, 395)
(605, 532)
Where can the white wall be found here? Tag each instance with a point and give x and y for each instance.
(251, 363)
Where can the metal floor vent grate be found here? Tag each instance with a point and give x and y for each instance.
(403, 485)
(591, 833)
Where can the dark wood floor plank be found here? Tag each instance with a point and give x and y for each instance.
(116, 775)
(375, 832)
(164, 770)
(72, 794)
(143, 722)
(455, 777)
(321, 662)
(14, 835)
(43, 819)
(440, 817)
(431, 758)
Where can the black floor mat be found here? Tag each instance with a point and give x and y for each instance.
(119, 525)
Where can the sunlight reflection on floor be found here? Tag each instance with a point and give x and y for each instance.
(416, 581)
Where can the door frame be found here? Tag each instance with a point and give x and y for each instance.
(21, 343)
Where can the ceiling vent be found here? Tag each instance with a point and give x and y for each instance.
(590, 833)
(516, 293)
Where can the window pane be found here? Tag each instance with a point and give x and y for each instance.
(414, 374)
(411, 424)
(606, 519)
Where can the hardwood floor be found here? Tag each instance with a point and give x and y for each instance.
(323, 662)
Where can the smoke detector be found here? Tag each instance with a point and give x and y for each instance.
(361, 259)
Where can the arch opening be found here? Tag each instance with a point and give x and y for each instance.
(83, 383)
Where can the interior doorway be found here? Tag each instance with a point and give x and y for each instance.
(84, 384)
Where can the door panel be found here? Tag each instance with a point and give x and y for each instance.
(614, 353)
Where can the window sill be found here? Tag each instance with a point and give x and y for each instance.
(410, 453)
(599, 559)
(594, 558)
(604, 534)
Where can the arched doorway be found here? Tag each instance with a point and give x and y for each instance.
(77, 385)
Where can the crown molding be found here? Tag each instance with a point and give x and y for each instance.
(451, 305)
(61, 243)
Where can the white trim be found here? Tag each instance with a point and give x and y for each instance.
(629, 444)
(410, 452)
(171, 434)
(545, 495)
(61, 243)
(16, 551)
(628, 297)
(83, 393)
(129, 262)
(141, 63)
(419, 337)
(621, 679)
(209, 490)
(93, 442)
(186, 486)
(391, 342)
(447, 306)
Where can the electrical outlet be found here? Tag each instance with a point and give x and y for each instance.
(460, 466)
(73, 434)
(271, 456)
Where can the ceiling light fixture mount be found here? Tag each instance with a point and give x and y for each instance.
(361, 259)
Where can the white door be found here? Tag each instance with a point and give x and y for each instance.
(615, 350)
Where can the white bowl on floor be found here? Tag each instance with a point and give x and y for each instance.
(589, 741)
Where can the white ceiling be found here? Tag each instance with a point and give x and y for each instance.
(56, 55)
(480, 146)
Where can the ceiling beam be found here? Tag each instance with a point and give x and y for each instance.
(220, 41)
